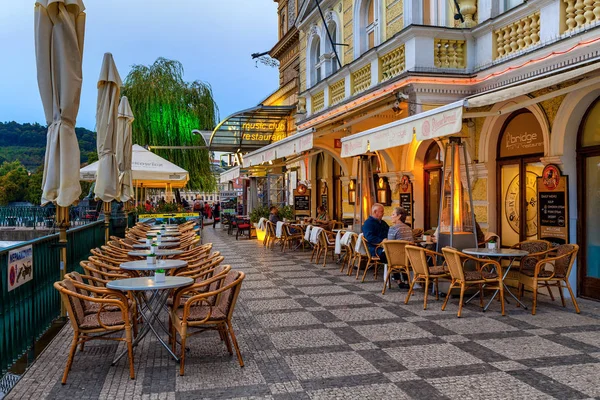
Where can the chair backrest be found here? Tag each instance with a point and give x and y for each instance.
(417, 258)
(230, 291)
(533, 246)
(270, 228)
(565, 257)
(395, 252)
(360, 246)
(73, 304)
(365, 246)
(453, 259)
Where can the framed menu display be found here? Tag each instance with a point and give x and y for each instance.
(406, 197)
(553, 205)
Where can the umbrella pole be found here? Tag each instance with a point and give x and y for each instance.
(62, 220)
(107, 211)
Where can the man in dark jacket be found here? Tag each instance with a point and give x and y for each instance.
(375, 230)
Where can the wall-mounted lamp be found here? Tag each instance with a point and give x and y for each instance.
(384, 192)
(301, 188)
(352, 191)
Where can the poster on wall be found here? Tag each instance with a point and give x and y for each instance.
(406, 198)
(20, 267)
(553, 205)
(302, 200)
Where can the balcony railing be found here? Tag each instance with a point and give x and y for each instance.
(579, 13)
(517, 36)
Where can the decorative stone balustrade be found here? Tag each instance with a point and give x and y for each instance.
(517, 36)
(361, 79)
(392, 63)
(318, 101)
(449, 53)
(337, 92)
(579, 13)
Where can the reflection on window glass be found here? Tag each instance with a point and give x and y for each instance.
(592, 215)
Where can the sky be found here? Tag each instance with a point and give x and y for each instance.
(213, 39)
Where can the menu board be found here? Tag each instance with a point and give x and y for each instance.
(553, 205)
(302, 202)
(324, 200)
(406, 199)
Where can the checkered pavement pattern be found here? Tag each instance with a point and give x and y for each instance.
(310, 332)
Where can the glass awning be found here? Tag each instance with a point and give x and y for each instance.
(252, 129)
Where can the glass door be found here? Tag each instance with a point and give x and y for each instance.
(432, 179)
(590, 240)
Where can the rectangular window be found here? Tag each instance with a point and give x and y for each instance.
(371, 40)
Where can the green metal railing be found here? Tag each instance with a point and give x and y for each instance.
(43, 217)
(27, 311)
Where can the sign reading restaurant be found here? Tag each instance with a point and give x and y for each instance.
(264, 131)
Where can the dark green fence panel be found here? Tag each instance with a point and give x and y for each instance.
(27, 311)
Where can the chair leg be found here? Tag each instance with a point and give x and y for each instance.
(386, 280)
(325, 258)
(480, 295)
(501, 286)
(225, 336)
(358, 267)
(437, 290)
(572, 297)
(550, 292)
(235, 344)
(448, 294)
(460, 301)
(365, 273)
(129, 340)
(410, 289)
(426, 292)
(182, 355)
(535, 289)
(560, 292)
(71, 356)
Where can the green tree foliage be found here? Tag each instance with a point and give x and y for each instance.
(14, 179)
(27, 143)
(166, 110)
(33, 194)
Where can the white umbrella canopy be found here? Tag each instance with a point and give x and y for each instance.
(59, 32)
(147, 169)
(109, 88)
(124, 122)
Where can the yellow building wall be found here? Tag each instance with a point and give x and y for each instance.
(394, 18)
(302, 58)
(348, 20)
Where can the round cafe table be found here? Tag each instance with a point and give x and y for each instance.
(166, 233)
(161, 245)
(150, 307)
(164, 239)
(159, 253)
(142, 265)
(511, 254)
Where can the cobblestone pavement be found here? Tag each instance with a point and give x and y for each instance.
(308, 332)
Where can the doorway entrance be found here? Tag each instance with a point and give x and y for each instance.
(588, 188)
(432, 179)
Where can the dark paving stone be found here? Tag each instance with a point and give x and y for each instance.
(497, 335)
(325, 316)
(291, 396)
(455, 370)
(481, 352)
(345, 381)
(315, 350)
(555, 361)
(572, 343)
(349, 335)
(547, 385)
(224, 393)
(420, 389)
(384, 344)
(433, 328)
(292, 291)
(307, 302)
(381, 360)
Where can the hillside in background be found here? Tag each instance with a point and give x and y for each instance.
(27, 143)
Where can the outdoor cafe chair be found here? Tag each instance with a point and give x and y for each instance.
(198, 312)
(487, 272)
(270, 236)
(197, 270)
(423, 272)
(370, 260)
(100, 274)
(349, 253)
(288, 237)
(551, 271)
(326, 245)
(98, 325)
(397, 263)
(198, 251)
(538, 250)
(243, 225)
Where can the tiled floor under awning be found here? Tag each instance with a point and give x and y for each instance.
(308, 332)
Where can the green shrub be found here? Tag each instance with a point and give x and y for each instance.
(258, 213)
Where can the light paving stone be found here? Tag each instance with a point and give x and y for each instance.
(508, 365)
(391, 331)
(263, 294)
(527, 347)
(546, 319)
(316, 290)
(305, 338)
(497, 385)
(313, 366)
(592, 338)
(455, 338)
(270, 305)
(401, 376)
(344, 300)
(583, 377)
(279, 320)
(218, 375)
(475, 325)
(308, 281)
(286, 387)
(368, 392)
(431, 356)
(363, 346)
(539, 332)
(363, 314)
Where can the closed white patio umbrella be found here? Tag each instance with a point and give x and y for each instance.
(125, 119)
(59, 31)
(109, 89)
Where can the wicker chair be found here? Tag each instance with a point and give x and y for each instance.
(349, 254)
(371, 260)
(551, 271)
(326, 245)
(538, 250)
(199, 312)
(97, 325)
(487, 272)
(270, 237)
(395, 253)
(425, 273)
(287, 236)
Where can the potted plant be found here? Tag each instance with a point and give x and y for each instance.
(491, 244)
(158, 238)
(151, 258)
(148, 240)
(159, 275)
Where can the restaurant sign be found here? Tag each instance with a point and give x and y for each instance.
(406, 197)
(20, 267)
(553, 203)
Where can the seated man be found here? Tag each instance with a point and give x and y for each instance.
(274, 216)
(375, 231)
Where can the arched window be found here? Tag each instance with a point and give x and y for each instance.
(366, 28)
(332, 62)
(315, 60)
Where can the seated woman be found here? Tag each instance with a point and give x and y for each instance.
(400, 230)
(322, 219)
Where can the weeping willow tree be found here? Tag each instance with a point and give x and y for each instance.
(166, 110)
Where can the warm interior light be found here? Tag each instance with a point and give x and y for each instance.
(364, 207)
(381, 183)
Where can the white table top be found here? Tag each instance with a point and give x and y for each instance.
(166, 233)
(158, 226)
(495, 252)
(159, 252)
(142, 265)
(164, 239)
(148, 283)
